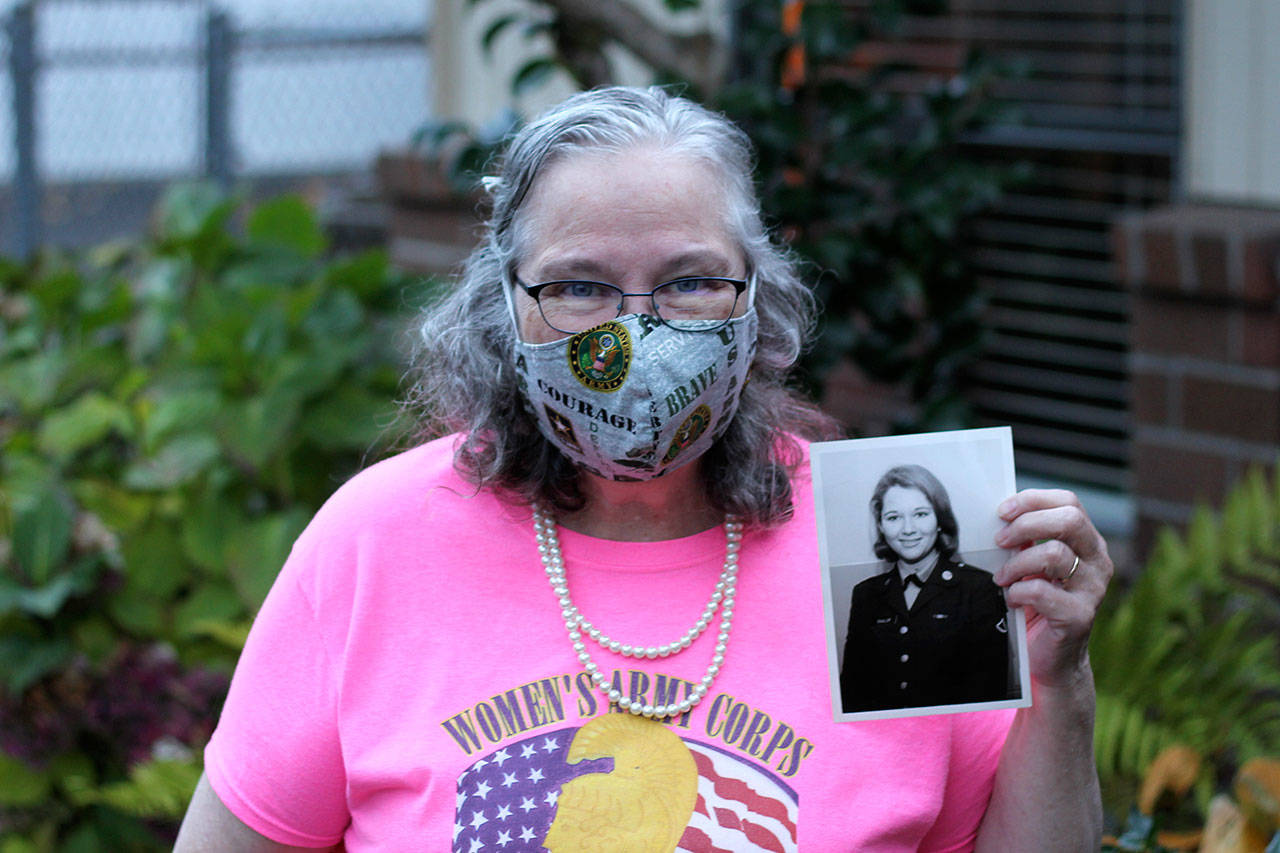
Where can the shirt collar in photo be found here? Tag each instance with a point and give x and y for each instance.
(922, 569)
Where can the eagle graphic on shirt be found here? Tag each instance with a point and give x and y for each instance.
(621, 783)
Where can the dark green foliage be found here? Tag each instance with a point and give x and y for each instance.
(171, 414)
(866, 180)
(1191, 653)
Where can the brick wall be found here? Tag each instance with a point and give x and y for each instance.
(1205, 352)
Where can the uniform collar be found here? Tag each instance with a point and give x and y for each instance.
(922, 569)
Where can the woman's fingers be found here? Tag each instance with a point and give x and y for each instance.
(1054, 538)
(1058, 626)
(1036, 518)
(1052, 559)
(1051, 530)
(1030, 499)
(1055, 560)
(1059, 572)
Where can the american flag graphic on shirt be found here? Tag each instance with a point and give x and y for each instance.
(740, 806)
(510, 799)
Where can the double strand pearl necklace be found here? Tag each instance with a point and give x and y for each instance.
(544, 529)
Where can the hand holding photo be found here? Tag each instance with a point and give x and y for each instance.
(906, 540)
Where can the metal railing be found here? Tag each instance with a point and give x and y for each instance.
(204, 66)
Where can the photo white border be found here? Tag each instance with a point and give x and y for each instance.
(834, 467)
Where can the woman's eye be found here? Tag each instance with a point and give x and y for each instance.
(690, 285)
(582, 289)
(575, 290)
(699, 284)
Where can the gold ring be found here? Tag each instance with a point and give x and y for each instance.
(1074, 566)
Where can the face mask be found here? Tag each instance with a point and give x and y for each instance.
(634, 398)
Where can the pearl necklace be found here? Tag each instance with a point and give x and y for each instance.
(544, 529)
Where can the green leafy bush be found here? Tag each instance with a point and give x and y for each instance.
(171, 414)
(1190, 654)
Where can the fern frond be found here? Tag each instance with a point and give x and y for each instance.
(1189, 654)
(1125, 741)
(154, 789)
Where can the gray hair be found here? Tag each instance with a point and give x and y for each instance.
(463, 370)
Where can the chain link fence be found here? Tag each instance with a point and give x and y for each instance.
(103, 102)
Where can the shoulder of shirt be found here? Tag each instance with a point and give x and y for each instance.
(404, 488)
(965, 573)
(878, 582)
(426, 464)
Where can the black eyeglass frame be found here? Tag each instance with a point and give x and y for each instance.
(740, 285)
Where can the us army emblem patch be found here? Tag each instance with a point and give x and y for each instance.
(599, 357)
(694, 425)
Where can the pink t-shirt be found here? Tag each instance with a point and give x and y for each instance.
(409, 685)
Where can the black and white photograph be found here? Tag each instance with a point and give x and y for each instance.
(906, 540)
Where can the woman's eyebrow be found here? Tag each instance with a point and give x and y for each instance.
(574, 268)
(698, 261)
(704, 261)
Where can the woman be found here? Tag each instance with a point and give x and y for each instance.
(458, 646)
(955, 647)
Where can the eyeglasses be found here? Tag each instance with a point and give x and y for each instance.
(690, 304)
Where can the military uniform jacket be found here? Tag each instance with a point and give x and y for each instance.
(950, 647)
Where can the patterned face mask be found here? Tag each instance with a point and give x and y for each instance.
(633, 398)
